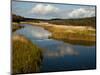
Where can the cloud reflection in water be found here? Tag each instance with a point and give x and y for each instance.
(62, 51)
(38, 33)
(34, 32)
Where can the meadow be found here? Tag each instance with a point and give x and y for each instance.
(26, 56)
(68, 33)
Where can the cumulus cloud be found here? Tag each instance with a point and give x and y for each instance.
(82, 12)
(52, 11)
(43, 9)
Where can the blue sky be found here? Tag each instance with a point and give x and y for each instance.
(48, 11)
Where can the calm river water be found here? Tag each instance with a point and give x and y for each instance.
(58, 55)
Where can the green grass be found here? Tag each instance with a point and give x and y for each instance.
(26, 56)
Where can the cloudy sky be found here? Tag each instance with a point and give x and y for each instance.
(48, 11)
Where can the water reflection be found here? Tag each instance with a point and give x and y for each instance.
(34, 32)
(59, 51)
(62, 51)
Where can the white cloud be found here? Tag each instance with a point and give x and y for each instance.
(44, 9)
(82, 12)
(51, 11)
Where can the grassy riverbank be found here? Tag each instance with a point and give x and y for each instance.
(67, 30)
(72, 33)
(16, 26)
(26, 56)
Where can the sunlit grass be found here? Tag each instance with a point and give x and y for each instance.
(64, 32)
(86, 34)
(71, 34)
(15, 26)
(26, 56)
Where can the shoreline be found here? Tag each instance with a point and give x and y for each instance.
(27, 57)
(62, 32)
(24, 54)
(16, 26)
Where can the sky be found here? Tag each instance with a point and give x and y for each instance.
(51, 10)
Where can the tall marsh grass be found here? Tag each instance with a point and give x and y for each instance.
(26, 56)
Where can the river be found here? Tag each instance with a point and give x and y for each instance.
(58, 55)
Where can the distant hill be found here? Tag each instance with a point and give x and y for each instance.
(88, 21)
(16, 18)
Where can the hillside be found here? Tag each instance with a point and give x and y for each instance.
(89, 21)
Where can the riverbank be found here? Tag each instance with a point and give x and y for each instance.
(26, 56)
(16, 26)
(70, 32)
